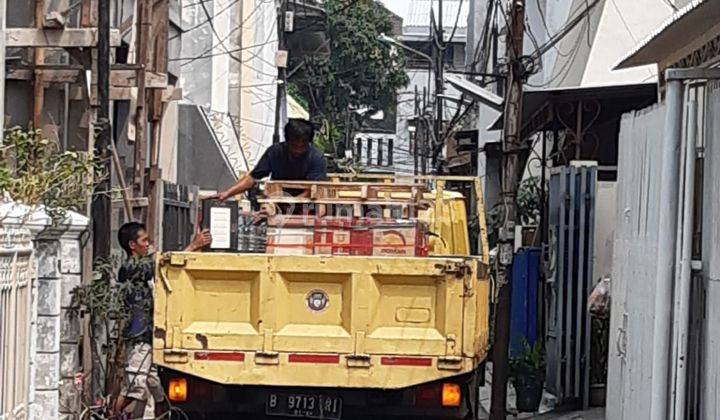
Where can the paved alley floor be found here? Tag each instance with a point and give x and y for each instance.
(547, 406)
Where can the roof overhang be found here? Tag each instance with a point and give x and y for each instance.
(539, 105)
(684, 32)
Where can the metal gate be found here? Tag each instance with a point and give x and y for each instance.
(571, 225)
(178, 216)
(16, 281)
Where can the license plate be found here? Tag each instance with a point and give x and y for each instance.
(301, 405)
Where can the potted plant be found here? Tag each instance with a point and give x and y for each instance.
(527, 374)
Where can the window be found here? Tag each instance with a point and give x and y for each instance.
(390, 152)
(381, 142)
(369, 151)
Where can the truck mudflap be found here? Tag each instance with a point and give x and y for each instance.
(349, 322)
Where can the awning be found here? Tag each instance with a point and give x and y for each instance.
(538, 105)
(689, 28)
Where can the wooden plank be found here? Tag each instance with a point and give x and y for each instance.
(170, 93)
(135, 202)
(368, 190)
(56, 38)
(48, 75)
(18, 74)
(119, 79)
(385, 178)
(129, 78)
(38, 59)
(143, 44)
(60, 76)
(160, 28)
(380, 203)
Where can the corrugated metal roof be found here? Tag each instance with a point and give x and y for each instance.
(419, 13)
(696, 18)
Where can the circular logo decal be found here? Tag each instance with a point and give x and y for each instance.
(317, 300)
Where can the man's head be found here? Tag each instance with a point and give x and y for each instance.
(299, 134)
(134, 239)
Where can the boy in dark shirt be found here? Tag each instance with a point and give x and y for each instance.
(296, 159)
(141, 377)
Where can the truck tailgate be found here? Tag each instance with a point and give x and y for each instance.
(319, 321)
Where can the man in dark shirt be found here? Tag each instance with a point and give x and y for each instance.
(296, 159)
(136, 275)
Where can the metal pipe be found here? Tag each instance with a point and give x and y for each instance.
(683, 311)
(677, 256)
(669, 184)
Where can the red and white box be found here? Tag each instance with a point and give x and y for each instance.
(400, 238)
(290, 235)
(333, 236)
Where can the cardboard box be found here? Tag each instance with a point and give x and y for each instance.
(342, 236)
(400, 239)
(290, 241)
(332, 237)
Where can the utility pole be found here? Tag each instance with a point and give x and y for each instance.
(101, 210)
(282, 70)
(511, 172)
(439, 46)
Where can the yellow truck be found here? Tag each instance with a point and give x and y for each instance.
(330, 337)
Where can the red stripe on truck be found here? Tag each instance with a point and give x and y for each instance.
(220, 356)
(406, 361)
(314, 358)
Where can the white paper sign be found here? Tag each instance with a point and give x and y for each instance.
(220, 227)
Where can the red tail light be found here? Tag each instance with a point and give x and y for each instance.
(438, 395)
(428, 395)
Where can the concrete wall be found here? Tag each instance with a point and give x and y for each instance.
(55, 351)
(199, 159)
(256, 90)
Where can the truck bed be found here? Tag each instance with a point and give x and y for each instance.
(330, 321)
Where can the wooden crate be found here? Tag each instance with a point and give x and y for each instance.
(408, 198)
(345, 190)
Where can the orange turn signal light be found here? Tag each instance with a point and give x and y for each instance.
(451, 395)
(177, 390)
